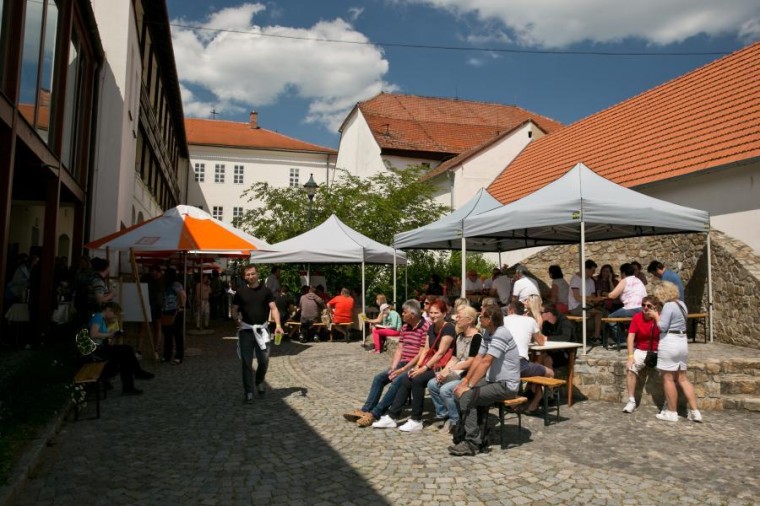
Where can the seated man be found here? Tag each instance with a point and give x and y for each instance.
(556, 327)
(412, 339)
(342, 307)
(575, 298)
(310, 306)
(494, 376)
(524, 329)
(121, 358)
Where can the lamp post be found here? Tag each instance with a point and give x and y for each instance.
(311, 190)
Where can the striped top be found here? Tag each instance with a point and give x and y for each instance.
(412, 339)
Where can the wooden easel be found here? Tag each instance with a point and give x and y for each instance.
(145, 321)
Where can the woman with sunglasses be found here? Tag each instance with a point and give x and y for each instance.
(441, 336)
(643, 334)
(442, 386)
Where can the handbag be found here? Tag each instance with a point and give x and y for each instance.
(167, 319)
(651, 358)
(432, 351)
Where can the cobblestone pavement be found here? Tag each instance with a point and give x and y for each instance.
(191, 440)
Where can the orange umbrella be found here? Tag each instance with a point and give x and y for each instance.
(183, 228)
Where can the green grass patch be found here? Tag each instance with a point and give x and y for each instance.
(34, 389)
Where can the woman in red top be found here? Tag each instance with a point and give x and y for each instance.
(641, 332)
(342, 307)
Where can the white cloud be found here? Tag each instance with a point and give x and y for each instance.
(559, 23)
(249, 70)
(354, 13)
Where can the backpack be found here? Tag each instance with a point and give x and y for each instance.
(171, 300)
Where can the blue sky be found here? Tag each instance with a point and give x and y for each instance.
(261, 57)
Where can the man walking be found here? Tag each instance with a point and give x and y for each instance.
(251, 307)
(493, 376)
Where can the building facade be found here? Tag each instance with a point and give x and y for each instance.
(227, 157)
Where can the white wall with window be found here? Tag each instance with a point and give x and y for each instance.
(218, 212)
(237, 214)
(278, 168)
(200, 172)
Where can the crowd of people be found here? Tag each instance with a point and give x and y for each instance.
(468, 359)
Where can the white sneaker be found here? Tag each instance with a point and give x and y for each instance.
(385, 422)
(630, 406)
(411, 426)
(668, 416)
(694, 415)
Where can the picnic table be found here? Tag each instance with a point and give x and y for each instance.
(571, 348)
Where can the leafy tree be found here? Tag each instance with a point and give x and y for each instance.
(377, 206)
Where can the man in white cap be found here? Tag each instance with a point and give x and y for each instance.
(389, 326)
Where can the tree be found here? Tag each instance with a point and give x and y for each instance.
(377, 206)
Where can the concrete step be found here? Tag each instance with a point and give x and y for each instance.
(739, 384)
(748, 402)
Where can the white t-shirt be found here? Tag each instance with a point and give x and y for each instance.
(524, 288)
(522, 329)
(572, 303)
(503, 287)
(473, 286)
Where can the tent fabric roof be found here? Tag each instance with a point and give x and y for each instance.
(331, 242)
(447, 230)
(553, 215)
(705, 119)
(441, 125)
(182, 228)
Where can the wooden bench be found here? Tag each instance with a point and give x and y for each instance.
(510, 405)
(548, 384)
(606, 329)
(90, 374)
(294, 328)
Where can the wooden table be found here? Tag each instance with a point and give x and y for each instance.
(571, 347)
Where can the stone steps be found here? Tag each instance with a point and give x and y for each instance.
(741, 401)
(745, 384)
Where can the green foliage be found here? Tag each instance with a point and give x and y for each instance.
(377, 206)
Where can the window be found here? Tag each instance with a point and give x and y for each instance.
(200, 172)
(219, 173)
(294, 177)
(237, 215)
(217, 212)
(238, 175)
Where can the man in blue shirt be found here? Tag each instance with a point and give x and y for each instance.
(658, 270)
(493, 376)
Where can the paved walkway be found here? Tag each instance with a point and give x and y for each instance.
(191, 440)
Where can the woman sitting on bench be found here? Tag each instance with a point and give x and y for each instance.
(121, 358)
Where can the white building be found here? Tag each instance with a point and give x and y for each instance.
(228, 157)
(394, 130)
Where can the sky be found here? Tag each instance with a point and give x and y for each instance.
(304, 64)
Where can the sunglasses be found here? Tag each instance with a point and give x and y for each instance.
(649, 306)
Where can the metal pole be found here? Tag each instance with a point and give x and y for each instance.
(364, 309)
(464, 267)
(709, 289)
(394, 277)
(583, 281)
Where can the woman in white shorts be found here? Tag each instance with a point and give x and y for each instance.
(672, 353)
(643, 336)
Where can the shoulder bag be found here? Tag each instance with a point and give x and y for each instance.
(651, 358)
(432, 351)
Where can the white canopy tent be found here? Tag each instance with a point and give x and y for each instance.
(446, 233)
(582, 206)
(332, 242)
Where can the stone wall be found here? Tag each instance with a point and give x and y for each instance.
(735, 274)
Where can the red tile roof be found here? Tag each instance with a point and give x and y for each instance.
(707, 118)
(208, 132)
(441, 125)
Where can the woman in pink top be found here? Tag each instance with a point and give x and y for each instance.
(631, 292)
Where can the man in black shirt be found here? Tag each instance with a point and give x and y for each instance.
(251, 307)
(556, 327)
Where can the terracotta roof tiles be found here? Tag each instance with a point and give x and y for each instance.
(441, 125)
(707, 118)
(207, 132)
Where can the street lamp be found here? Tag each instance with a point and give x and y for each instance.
(311, 190)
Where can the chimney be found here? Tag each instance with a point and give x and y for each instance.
(254, 121)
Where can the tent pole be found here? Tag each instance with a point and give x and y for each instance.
(406, 282)
(364, 309)
(583, 282)
(499, 260)
(464, 267)
(709, 289)
(394, 276)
